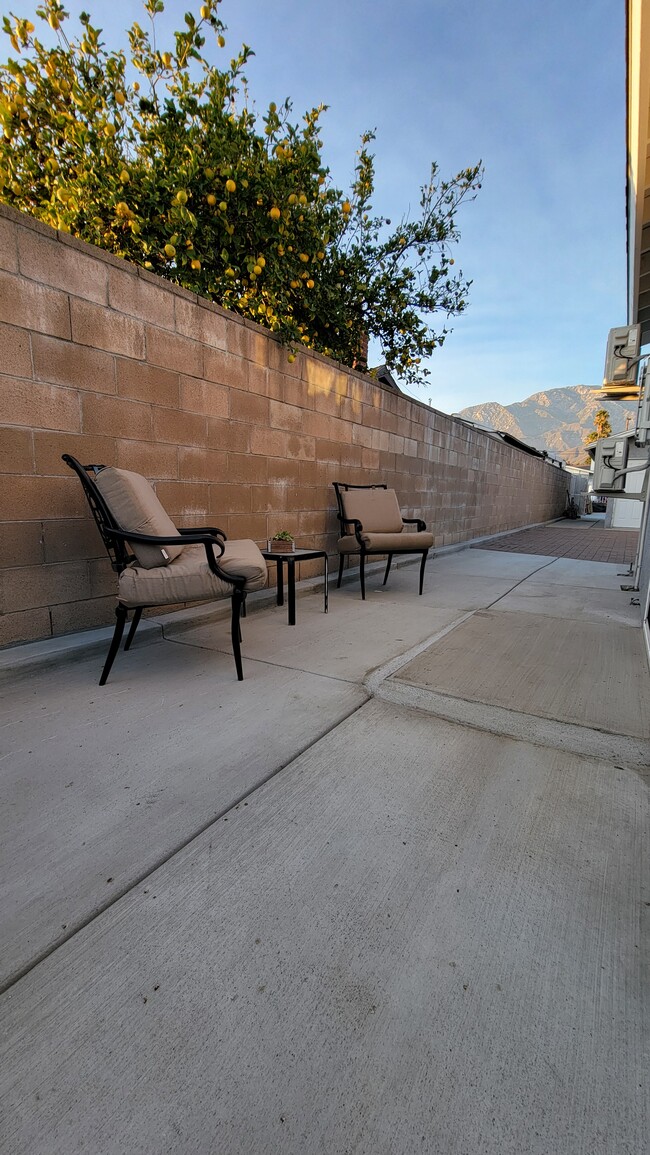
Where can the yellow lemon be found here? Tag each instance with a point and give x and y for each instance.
(109, 130)
(124, 176)
(261, 261)
(346, 207)
(275, 213)
(223, 206)
(293, 199)
(291, 357)
(211, 199)
(230, 272)
(303, 257)
(205, 11)
(231, 186)
(196, 264)
(170, 251)
(221, 41)
(310, 284)
(181, 197)
(209, 172)
(302, 199)
(120, 99)
(257, 269)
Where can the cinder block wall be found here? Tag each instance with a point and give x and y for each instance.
(114, 365)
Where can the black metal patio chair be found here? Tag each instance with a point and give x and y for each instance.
(372, 524)
(158, 564)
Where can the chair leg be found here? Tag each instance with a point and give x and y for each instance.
(133, 627)
(362, 575)
(235, 631)
(422, 565)
(390, 558)
(121, 614)
(341, 560)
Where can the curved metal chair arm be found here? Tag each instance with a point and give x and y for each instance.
(189, 538)
(356, 527)
(212, 529)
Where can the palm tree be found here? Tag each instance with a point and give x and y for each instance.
(602, 428)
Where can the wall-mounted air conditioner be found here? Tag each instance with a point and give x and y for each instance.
(621, 360)
(621, 468)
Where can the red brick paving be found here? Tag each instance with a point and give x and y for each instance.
(585, 542)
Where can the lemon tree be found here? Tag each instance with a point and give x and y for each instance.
(153, 154)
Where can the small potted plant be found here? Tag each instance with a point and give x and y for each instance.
(283, 542)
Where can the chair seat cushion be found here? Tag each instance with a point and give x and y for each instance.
(188, 578)
(387, 542)
(133, 502)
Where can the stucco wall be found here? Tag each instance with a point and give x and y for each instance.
(113, 365)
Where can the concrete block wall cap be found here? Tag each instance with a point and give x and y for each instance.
(213, 307)
(90, 250)
(247, 323)
(149, 277)
(179, 291)
(25, 221)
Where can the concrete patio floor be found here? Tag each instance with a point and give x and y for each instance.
(385, 896)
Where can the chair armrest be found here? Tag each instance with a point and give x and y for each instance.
(189, 537)
(356, 526)
(210, 529)
(422, 525)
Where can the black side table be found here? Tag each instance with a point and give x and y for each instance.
(291, 558)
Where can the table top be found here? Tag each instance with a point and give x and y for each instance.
(300, 554)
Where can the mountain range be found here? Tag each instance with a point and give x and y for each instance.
(557, 420)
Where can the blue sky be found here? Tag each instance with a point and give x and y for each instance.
(535, 90)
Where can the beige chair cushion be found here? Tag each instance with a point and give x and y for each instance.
(188, 578)
(134, 505)
(377, 509)
(387, 542)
